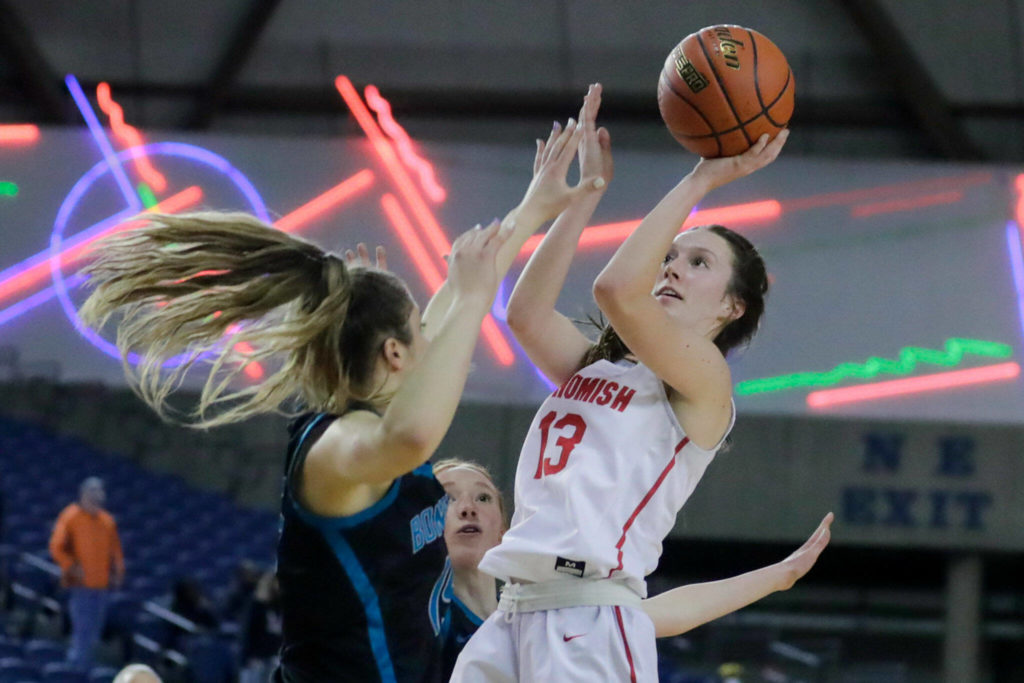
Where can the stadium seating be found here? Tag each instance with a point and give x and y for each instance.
(168, 530)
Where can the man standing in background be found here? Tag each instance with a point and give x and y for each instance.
(86, 546)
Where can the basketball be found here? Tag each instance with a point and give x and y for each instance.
(722, 88)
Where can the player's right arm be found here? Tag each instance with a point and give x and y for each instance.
(687, 607)
(550, 339)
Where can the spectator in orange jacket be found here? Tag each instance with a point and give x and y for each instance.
(86, 546)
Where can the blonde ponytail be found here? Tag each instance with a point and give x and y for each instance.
(194, 288)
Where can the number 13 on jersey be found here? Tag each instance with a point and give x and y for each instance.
(571, 428)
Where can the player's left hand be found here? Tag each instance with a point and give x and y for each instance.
(804, 557)
(595, 148)
(361, 257)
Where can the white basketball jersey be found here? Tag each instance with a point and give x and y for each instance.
(602, 474)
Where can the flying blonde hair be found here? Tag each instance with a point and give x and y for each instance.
(193, 288)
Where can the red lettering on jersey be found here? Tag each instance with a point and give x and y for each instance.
(588, 386)
(606, 394)
(571, 386)
(623, 398)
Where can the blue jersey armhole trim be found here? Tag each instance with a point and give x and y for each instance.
(323, 523)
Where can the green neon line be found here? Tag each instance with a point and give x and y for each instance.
(909, 357)
(146, 195)
(8, 189)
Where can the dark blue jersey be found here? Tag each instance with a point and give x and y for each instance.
(457, 627)
(361, 595)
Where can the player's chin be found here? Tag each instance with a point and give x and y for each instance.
(466, 555)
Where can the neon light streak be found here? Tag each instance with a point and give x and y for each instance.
(435, 235)
(8, 189)
(426, 264)
(914, 385)
(421, 257)
(906, 204)
(102, 142)
(414, 161)
(1019, 213)
(499, 309)
(615, 233)
(35, 268)
(753, 212)
(893, 190)
(334, 197)
(40, 297)
(909, 357)
(1013, 244)
(252, 369)
(130, 136)
(149, 199)
(67, 208)
(82, 243)
(18, 133)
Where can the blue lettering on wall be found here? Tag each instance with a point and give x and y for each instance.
(956, 456)
(899, 504)
(974, 504)
(858, 503)
(940, 510)
(865, 506)
(882, 452)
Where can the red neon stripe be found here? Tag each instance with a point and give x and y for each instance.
(614, 233)
(41, 271)
(410, 158)
(420, 256)
(913, 385)
(130, 136)
(386, 152)
(906, 204)
(768, 209)
(643, 503)
(625, 643)
(435, 235)
(425, 263)
(253, 369)
(1019, 213)
(18, 133)
(895, 189)
(332, 198)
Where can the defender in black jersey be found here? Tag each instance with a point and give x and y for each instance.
(363, 597)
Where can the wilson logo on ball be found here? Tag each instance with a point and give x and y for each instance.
(727, 44)
(688, 72)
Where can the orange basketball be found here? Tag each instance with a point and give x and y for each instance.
(722, 88)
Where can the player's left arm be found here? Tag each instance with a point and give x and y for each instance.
(687, 607)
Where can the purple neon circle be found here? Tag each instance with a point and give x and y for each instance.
(178, 149)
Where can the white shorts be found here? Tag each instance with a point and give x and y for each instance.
(584, 644)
